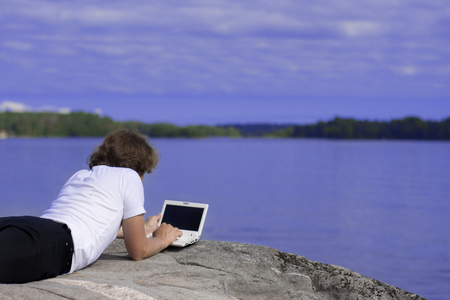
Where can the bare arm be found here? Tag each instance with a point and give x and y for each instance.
(151, 224)
(136, 241)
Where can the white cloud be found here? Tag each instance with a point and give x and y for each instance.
(64, 110)
(14, 107)
(360, 28)
(408, 70)
(59, 110)
(17, 45)
(199, 47)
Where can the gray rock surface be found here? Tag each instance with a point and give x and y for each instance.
(207, 270)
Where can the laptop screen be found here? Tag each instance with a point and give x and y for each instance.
(183, 217)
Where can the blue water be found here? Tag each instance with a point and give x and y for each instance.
(380, 208)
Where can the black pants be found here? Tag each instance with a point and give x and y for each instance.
(33, 248)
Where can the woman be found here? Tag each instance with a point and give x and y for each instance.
(93, 208)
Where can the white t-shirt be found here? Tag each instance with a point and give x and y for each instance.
(93, 204)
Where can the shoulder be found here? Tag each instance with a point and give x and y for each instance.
(126, 172)
(126, 177)
(80, 175)
(129, 174)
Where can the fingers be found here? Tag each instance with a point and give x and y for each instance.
(155, 218)
(176, 230)
(168, 231)
(180, 233)
(158, 217)
(151, 223)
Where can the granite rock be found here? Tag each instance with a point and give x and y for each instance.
(207, 270)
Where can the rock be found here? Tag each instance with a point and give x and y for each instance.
(207, 270)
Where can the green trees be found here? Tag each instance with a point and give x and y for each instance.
(170, 130)
(407, 128)
(53, 125)
(85, 124)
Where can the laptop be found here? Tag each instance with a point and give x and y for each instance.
(189, 217)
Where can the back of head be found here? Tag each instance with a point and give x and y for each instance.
(126, 149)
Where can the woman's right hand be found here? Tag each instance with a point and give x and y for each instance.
(168, 233)
(137, 243)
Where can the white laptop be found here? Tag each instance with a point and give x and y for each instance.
(189, 217)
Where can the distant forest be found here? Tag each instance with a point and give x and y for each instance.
(80, 124)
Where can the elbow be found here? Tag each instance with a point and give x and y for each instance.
(141, 251)
(136, 252)
(137, 256)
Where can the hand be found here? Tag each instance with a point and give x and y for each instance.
(151, 224)
(167, 233)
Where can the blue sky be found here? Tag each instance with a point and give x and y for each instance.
(216, 62)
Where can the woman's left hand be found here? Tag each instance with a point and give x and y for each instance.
(151, 224)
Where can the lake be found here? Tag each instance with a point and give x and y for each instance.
(380, 208)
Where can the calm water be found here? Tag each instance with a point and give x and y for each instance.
(380, 208)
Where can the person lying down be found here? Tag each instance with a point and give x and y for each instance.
(94, 207)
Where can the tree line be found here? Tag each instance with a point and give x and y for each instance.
(410, 128)
(81, 124)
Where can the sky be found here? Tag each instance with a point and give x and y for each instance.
(223, 61)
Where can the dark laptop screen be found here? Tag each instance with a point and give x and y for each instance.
(183, 217)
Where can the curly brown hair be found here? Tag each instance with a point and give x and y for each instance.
(126, 149)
